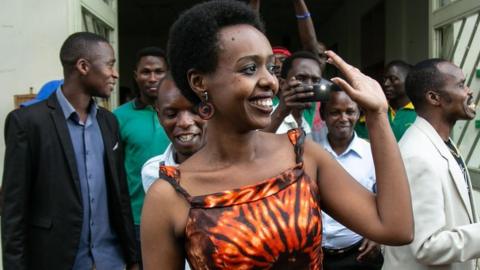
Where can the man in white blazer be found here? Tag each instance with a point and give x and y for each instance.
(447, 233)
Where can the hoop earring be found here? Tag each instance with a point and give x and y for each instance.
(205, 108)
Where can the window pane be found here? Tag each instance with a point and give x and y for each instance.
(93, 24)
(448, 36)
(442, 3)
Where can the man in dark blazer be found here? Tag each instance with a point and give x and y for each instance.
(66, 203)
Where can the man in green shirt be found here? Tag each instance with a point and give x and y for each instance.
(401, 113)
(142, 135)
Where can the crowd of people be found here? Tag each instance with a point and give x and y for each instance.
(223, 161)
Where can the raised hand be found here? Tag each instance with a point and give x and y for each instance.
(362, 89)
(292, 93)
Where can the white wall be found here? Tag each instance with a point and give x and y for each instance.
(31, 33)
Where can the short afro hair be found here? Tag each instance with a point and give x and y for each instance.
(402, 65)
(78, 45)
(150, 51)
(287, 64)
(193, 39)
(423, 77)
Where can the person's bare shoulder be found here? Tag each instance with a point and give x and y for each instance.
(162, 190)
(315, 151)
(316, 159)
(272, 142)
(167, 204)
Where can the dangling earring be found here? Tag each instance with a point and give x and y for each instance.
(205, 108)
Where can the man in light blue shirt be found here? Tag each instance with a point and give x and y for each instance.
(99, 244)
(66, 203)
(342, 248)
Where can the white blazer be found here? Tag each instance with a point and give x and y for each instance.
(446, 233)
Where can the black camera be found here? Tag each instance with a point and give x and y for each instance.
(322, 91)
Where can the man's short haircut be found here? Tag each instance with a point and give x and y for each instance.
(323, 105)
(287, 64)
(424, 76)
(402, 65)
(194, 41)
(150, 51)
(78, 45)
(168, 77)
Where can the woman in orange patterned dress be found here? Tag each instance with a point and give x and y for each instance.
(249, 199)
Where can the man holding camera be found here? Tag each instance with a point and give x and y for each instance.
(299, 73)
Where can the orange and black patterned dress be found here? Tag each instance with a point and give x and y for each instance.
(275, 224)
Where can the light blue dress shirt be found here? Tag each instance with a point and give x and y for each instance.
(358, 162)
(99, 245)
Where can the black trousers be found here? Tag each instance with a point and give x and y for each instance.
(348, 260)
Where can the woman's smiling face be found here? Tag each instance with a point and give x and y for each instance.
(243, 85)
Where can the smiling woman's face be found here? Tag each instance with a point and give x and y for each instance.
(243, 84)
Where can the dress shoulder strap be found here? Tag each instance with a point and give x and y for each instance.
(297, 138)
(171, 175)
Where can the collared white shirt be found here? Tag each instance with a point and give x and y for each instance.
(151, 168)
(358, 162)
(290, 123)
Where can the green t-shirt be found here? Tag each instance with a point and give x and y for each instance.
(143, 138)
(400, 121)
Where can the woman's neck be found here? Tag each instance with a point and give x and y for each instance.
(228, 145)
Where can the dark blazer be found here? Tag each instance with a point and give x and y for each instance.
(42, 214)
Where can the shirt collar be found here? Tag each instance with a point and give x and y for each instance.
(169, 156)
(409, 106)
(67, 107)
(354, 147)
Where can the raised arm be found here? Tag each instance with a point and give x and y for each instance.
(255, 5)
(306, 30)
(308, 37)
(387, 217)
